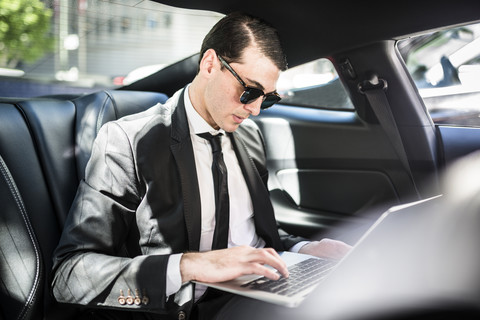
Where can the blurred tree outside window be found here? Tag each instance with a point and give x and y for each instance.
(24, 32)
(80, 46)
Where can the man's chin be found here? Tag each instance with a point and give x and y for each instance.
(232, 127)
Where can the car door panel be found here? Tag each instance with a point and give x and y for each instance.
(327, 167)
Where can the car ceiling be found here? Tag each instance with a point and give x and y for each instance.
(312, 29)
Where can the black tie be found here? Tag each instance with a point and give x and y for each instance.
(222, 209)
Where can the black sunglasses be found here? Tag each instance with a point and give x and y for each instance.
(251, 94)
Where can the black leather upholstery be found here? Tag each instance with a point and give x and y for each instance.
(45, 144)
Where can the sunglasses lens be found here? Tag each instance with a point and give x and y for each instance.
(250, 95)
(270, 100)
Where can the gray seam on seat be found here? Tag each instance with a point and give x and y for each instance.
(18, 200)
(102, 112)
(100, 116)
(114, 104)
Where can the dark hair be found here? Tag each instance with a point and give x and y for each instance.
(236, 31)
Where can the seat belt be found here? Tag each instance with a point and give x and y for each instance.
(374, 91)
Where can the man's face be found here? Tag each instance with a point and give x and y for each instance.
(222, 96)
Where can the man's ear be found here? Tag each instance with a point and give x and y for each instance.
(208, 61)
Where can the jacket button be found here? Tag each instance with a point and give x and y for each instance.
(121, 299)
(129, 299)
(181, 315)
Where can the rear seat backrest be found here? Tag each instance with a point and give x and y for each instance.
(52, 125)
(45, 145)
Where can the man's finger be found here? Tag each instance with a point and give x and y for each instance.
(273, 259)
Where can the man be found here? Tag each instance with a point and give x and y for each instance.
(144, 221)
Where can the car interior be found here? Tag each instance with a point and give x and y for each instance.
(337, 159)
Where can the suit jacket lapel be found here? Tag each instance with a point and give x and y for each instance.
(264, 217)
(182, 151)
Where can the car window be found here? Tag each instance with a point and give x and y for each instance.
(445, 67)
(314, 84)
(64, 46)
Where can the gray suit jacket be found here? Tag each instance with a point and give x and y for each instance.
(138, 204)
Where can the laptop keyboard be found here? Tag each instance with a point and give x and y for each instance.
(303, 275)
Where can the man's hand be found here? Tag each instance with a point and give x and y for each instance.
(326, 248)
(228, 264)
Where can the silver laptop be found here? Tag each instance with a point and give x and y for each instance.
(306, 273)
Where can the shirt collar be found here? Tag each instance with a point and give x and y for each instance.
(196, 123)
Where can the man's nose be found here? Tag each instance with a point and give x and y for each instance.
(254, 107)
